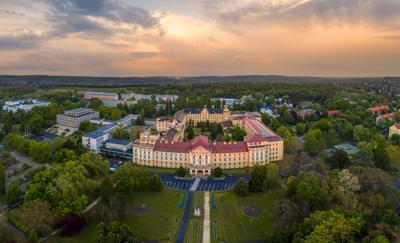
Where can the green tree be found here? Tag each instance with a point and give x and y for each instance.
(291, 142)
(134, 133)
(130, 178)
(365, 151)
(314, 142)
(181, 172)
(258, 179)
(339, 160)
(390, 217)
(2, 179)
(395, 139)
(361, 133)
(242, 187)
(120, 133)
(156, 184)
(86, 127)
(94, 164)
(301, 128)
(310, 188)
(189, 132)
(380, 239)
(217, 172)
(272, 177)
(382, 159)
(95, 103)
(33, 237)
(40, 152)
(116, 114)
(330, 226)
(238, 134)
(13, 192)
(115, 232)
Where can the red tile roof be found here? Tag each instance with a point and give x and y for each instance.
(201, 141)
(378, 108)
(255, 138)
(172, 146)
(397, 125)
(387, 116)
(229, 147)
(334, 112)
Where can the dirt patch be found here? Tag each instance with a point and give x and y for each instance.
(253, 210)
(141, 208)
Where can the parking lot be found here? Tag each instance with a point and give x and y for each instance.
(206, 184)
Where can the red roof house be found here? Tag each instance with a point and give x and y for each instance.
(377, 109)
(334, 112)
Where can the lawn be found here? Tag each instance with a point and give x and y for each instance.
(158, 220)
(6, 233)
(234, 225)
(154, 222)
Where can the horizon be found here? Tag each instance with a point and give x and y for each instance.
(109, 38)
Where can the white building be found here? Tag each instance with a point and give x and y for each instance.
(73, 118)
(94, 140)
(25, 105)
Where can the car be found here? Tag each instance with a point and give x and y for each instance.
(114, 165)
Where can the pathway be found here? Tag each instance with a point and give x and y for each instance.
(206, 221)
(185, 220)
(195, 184)
(25, 160)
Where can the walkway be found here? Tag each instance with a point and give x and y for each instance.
(195, 184)
(185, 220)
(206, 221)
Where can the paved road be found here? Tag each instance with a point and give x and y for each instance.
(185, 220)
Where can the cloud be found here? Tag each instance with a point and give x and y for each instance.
(144, 55)
(20, 41)
(384, 13)
(10, 12)
(79, 16)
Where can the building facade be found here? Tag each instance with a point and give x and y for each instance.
(100, 95)
(394, 129)
(93, 141)
(73, 118)
(200, 156)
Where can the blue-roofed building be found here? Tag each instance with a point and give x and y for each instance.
(95, 140)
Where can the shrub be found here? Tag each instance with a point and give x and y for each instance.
(242, 187)
(156, 184)
(217, 172)
(181, 172)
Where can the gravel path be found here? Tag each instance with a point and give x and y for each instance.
(206, 221)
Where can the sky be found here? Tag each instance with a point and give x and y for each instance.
(200, 37)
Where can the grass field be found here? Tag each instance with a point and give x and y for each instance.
(156, 223)
(6, 233)
(233, 225)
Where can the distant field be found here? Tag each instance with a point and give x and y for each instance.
(234, 225)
